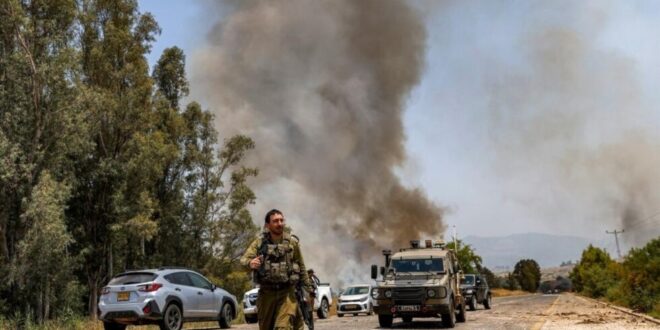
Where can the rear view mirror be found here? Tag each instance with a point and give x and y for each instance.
(374, 272)
(382, 271)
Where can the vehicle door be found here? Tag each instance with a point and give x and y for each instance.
(209, 305)
(186, 292)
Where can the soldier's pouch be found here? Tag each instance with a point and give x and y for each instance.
(295, 273)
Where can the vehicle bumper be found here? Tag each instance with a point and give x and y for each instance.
(431, 308)
(353, 307)
(131, 313)
(250, 311)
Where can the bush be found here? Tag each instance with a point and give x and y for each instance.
(596, 273)
(641, 277)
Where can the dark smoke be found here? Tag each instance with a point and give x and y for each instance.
(321, 87)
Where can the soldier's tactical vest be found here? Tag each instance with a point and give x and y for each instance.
(279, 266)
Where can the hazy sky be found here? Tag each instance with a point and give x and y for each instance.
(530, 115)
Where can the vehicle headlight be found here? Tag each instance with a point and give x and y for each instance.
(366, 298)
(374, 293)
(430, 293)
(468, 291)
(388, 293)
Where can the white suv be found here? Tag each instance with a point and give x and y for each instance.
(165, 296)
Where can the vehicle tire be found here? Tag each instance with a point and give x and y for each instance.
(488, 301)
(251, 319)
(460, 317)
(226, 316)
(449, 319)
(385, 321)
(407, 318)
(324, 309)
(473, 303)
(371, 310)
(113, 326)
(172, 318)
(340, 315)
(355, 314)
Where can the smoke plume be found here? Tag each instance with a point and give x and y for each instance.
(321, 87)
(571, 120)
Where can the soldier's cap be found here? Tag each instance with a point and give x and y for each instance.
(310, 270)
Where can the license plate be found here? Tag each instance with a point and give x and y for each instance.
(123, 296)
(408, 308)
(351, 307)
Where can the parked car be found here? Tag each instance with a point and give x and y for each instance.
(475, 289)
(355, 300)
(322, 303)
(166, 296)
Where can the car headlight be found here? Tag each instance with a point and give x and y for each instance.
(442, 292)
(468, 291)
(388, 293)
(430, 293)
(374, 293)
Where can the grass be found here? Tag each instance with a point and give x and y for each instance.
(507, 293)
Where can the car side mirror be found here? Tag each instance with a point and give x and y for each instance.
(374, 272)
(478, 281)
(382, 271)
(213, 287)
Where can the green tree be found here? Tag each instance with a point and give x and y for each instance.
(493, 281)
(468, 259)
(528, 274)
(43, 267)
(641, 278)
(510, 282)
(595, 273)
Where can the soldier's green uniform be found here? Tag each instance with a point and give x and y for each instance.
(283, 267)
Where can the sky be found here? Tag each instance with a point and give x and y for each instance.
(529, 116)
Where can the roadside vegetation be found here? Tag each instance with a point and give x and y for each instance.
(633, 283)
(103, 167)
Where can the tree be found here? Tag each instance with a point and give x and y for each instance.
(468, 259)
(43, 266)
(528, 274)
(510, 282)
(595, 273)
(640, 283)
(493, 281)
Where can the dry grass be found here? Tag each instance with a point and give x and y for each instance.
(508, 293)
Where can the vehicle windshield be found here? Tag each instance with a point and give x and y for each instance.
(132, 278)
(469, 279)
(356, 290)
(418, 265)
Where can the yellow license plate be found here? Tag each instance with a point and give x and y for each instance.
(123, 296)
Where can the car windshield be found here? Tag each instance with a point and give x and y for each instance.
(356, 290)
(469, 279)
(132, 278)
(418, 265)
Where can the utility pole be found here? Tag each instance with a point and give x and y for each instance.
(616, 238)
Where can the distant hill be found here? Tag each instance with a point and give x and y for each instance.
(502, 253)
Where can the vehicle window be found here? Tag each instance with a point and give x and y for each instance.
(198, 281)
(356, 290)
(179, 278)
(469, 279)
(132, 278)
(418, 265)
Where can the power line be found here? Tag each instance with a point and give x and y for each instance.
(616, 238)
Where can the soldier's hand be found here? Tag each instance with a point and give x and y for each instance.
(255, 263)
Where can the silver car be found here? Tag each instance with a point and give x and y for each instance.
(165, 296)
(356, 299)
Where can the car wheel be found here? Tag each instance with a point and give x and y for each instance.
(473, 303)
(226, 316)
(449, 319)
(113, 326)
(407, 318)
(322, 313)
(487, 302)
(461, 313)
(251, 319)
(385, 321)
(172, 318)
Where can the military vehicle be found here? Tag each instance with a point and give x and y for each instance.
(420, 281)
(476, 291)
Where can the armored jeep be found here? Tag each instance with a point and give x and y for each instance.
(420, 281)
(476, 291)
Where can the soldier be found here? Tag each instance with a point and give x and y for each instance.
(278, 265)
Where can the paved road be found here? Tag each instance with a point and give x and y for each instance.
(521, 312)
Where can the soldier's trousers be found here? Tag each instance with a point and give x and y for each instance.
(278, 310)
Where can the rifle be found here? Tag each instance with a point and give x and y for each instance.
(303, 307)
